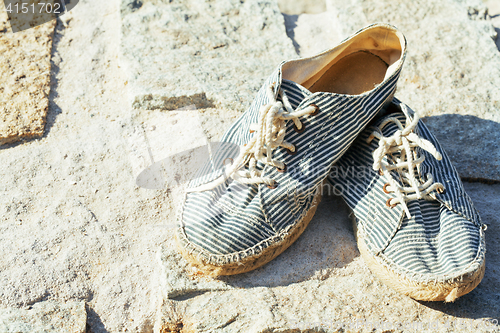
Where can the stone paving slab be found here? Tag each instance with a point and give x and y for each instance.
(494, 13)
(45, 317)
(72, 213)
(27, 14)
(24, 80)
(472, 143)
(214, 53)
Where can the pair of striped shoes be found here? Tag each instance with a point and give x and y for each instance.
(415, 226)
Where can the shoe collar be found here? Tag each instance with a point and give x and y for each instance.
(378, 38)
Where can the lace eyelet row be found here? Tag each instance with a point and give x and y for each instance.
(299, 131)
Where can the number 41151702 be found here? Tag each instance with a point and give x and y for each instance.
(39, 8)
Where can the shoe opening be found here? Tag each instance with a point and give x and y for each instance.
(357, 65)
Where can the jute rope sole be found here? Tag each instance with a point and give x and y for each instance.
(255, 261)
(430, 291)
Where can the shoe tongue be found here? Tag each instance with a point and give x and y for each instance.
(394, 110)
(391, 127)
(295, 92)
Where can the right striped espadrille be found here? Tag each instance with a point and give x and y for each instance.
(258, 192)
(416, 228)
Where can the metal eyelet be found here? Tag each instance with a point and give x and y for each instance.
(388, 203)
(228, 159)
(273, 186)
(441, 190)
(302, 129)
(292, 152)
(380, 172)
(386, 191)
(281, 170)
(315, 112)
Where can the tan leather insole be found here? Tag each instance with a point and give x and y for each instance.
(354, 74)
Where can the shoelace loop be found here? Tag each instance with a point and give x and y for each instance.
(268, 134)
(404, 141)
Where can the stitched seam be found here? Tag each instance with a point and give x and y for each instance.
(234, 257)
(426, 277)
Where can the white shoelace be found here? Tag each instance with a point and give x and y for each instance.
(404, 141)
(269, 134)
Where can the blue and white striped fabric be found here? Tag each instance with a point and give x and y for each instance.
(442, 241)
(234, 221)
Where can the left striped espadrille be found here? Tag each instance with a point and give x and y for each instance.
(416, 228)
(259, 190)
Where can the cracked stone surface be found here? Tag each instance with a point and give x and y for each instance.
(24, 80)
(214, 53)
(31, 13)
(45, 317)
(74, 226)
(77, 224)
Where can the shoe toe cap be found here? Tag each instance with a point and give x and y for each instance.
(214, 228)
(436, 244)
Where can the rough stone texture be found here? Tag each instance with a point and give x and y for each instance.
(312, 33)
(24, 80)
(472, 143)
(45, 317)
(441, 75)
(74, 225)
(302, 6)
(33, 14)
(452, 67)
(320, 283)
(167, 149)
(213, 53)
(4, 24)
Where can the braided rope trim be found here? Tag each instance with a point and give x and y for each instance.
(438, 288)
